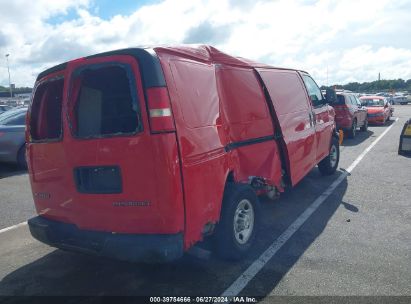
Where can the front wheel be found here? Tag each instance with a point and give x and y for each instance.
(329, 164)
(364, 127)
(353, 130)
(240, 219)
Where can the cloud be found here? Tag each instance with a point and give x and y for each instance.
(353, 40)
(3, 39)
(207, 33)
(56, 49)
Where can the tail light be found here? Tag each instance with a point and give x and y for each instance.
(159, 110)
(27, 131)
(342, 109)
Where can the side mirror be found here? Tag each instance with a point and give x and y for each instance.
(330, 96)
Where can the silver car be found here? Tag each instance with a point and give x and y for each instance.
(12, 137)
(4, 108)
(400, 99)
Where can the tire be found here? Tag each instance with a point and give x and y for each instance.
(230, 242)
(21, 157)
(364, 127)
(329, 164)
(353, 130)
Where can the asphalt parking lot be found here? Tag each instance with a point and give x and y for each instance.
(356, 243)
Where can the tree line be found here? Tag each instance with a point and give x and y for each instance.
(16, 90)
(394, 85)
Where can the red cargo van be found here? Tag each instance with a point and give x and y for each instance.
(138, 154)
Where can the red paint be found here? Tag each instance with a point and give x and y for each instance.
(347, 109)
(149, 165)
(378, 114)
(215, 101)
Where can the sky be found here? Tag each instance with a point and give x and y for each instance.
(336, 41)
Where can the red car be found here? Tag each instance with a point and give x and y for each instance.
(378, 108)
(349, 113)
(138, 154)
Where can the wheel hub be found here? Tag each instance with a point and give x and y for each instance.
(243, 221)
(333, 155)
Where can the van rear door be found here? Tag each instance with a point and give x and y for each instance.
(295, 118)
(93, 160)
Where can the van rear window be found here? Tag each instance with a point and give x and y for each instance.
(45, 120)
(104, 101)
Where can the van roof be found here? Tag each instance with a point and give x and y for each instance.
(208, 53)
(151, 66)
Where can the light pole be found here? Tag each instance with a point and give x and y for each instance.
(8, 69)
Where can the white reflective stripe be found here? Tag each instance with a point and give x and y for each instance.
(160, 112)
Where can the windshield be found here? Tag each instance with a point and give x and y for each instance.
(7, 117)
(373, 102)
(4, 108)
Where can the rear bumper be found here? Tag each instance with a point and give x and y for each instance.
(377, 120)
(8, 156)
(126, 247)
(344, 123)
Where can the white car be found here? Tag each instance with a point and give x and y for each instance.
(399, 99)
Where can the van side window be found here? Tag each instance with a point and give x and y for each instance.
(45, 121)
(103, 101)
(313, 90)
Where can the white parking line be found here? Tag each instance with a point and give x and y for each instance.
(13, 227)
(238, 285)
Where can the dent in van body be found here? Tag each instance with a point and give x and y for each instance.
(195, 107)
(204, 129)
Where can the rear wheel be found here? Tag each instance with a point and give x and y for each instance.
(329, 164)
(21, 157)
(353, 130)
(240, 219)
(364, 127)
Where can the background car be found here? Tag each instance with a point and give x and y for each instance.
(378, 108)
(388, 96)
(4, 108)
(349, 113)
(399, 99)
(12, 137)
